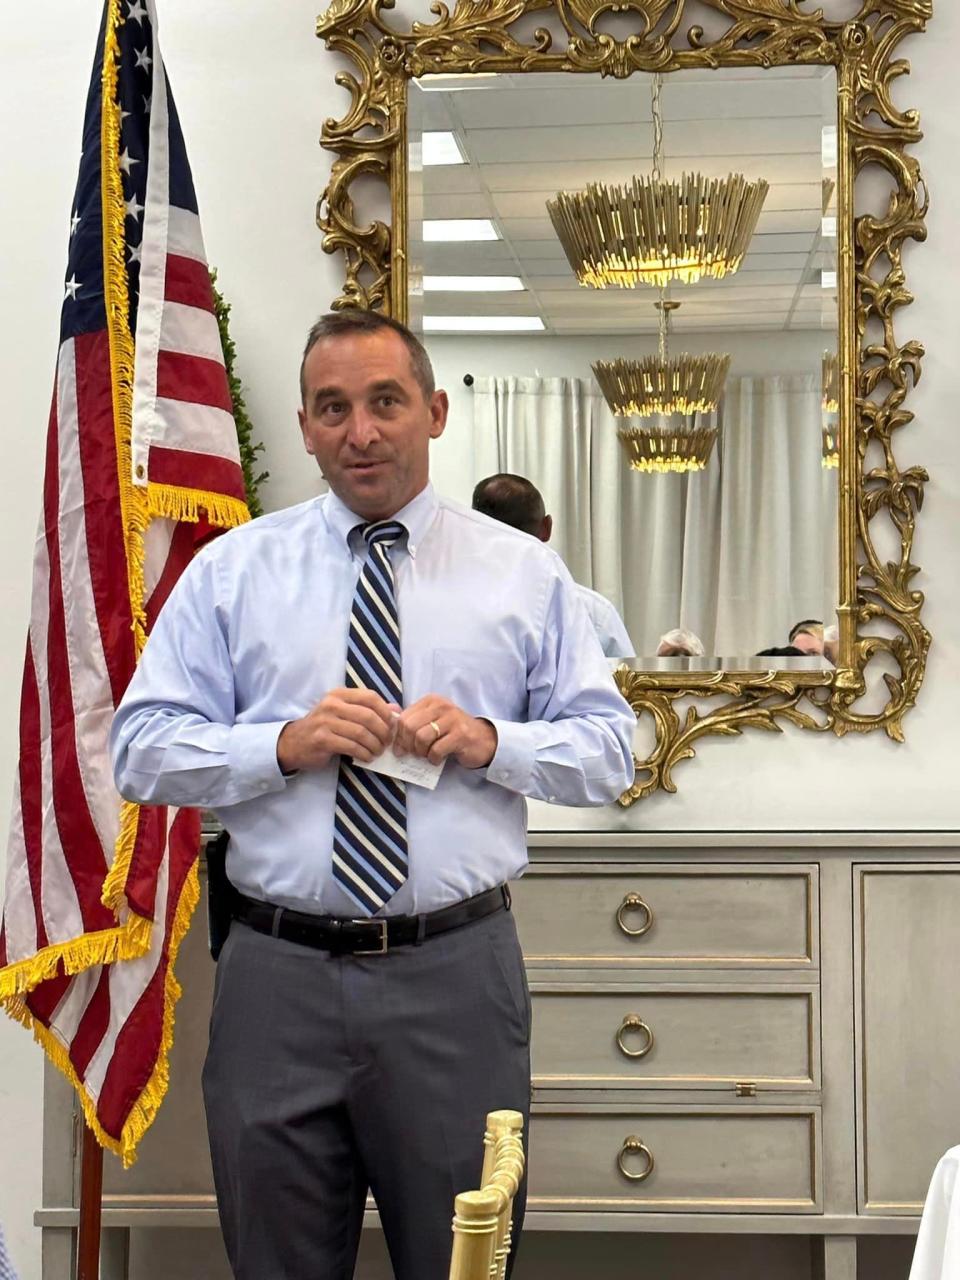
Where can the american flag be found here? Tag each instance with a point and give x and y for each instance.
(142, 464)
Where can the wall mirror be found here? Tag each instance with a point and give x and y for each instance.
(631, 228)
(735, 553)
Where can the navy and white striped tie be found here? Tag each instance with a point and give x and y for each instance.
(370, 822)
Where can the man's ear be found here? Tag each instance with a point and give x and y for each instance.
(546, 529)
(439, 408)
(302, 419)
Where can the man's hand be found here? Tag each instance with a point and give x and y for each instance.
(470, 741)
(347, 722)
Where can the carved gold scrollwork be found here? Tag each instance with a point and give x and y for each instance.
(882, 634)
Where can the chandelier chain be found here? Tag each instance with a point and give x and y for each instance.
(663, 325)
(656, 110)
(657, 126)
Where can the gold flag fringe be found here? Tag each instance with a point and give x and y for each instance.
(133, 513)
(148, 1103)
(126, 942)
(112, 893)
(168, 502)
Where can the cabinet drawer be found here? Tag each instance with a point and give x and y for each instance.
(671, 1036)
(717, 1159)
(654, 914)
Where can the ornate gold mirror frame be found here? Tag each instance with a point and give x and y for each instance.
(879, 612)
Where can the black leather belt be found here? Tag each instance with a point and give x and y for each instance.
(366, 937)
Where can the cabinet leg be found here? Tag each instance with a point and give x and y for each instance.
(57, 1252)
(834, 1257)
(114, 1253)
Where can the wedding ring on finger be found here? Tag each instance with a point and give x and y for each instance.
(436, 729)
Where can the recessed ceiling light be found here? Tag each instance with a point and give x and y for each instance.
(828, 226)
(441, 148)
(482, 324)
(459, 229)
(828, 279)
(472, 284)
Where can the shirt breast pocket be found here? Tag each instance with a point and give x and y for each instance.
(482, 682)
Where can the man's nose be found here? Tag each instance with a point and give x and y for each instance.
(363, 429)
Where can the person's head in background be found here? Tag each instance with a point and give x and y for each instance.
(807, 636)
(513, 500)
(680, 643)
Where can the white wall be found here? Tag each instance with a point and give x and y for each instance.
(253, 87)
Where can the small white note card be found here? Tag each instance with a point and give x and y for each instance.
(406, 768)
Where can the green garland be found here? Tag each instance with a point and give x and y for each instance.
(248, 450)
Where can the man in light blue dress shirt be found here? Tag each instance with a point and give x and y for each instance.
(516, 501)
(357, 1042)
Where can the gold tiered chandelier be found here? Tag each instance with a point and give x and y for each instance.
(662, 386)
(652, 231)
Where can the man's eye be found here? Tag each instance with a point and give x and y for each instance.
(333, 409)
(388, 401)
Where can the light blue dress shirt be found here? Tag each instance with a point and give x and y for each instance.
(612, 634)
(254, 635)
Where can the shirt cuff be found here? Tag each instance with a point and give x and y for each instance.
(252, 757)
(513, 761)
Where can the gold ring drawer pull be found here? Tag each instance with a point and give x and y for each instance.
(633, 902)
(633, 1022)
(634, 1146)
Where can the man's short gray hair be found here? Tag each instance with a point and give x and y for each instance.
(680, 638)
(336, 324)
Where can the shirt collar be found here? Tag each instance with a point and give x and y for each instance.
(417, 516)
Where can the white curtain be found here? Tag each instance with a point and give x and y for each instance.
(736, 553)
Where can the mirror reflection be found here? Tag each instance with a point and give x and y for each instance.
(629, 290)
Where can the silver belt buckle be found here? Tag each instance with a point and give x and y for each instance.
(381, 948)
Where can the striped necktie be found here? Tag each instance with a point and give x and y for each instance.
(370, 821)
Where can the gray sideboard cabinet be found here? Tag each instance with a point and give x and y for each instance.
(733, 1034)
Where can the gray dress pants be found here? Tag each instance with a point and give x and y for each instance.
(327, 1075)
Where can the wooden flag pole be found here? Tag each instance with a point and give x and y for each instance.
(91, 1192)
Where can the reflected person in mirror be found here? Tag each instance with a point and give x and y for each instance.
(831, 644)
(807, 636)
(516, 501)
(680, 643)
(370, 1004)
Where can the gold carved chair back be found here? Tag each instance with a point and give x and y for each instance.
(483, 1219)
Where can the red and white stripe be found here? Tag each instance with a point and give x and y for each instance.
(66, 815)
(184, 434)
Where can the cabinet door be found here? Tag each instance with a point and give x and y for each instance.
(907, 944)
